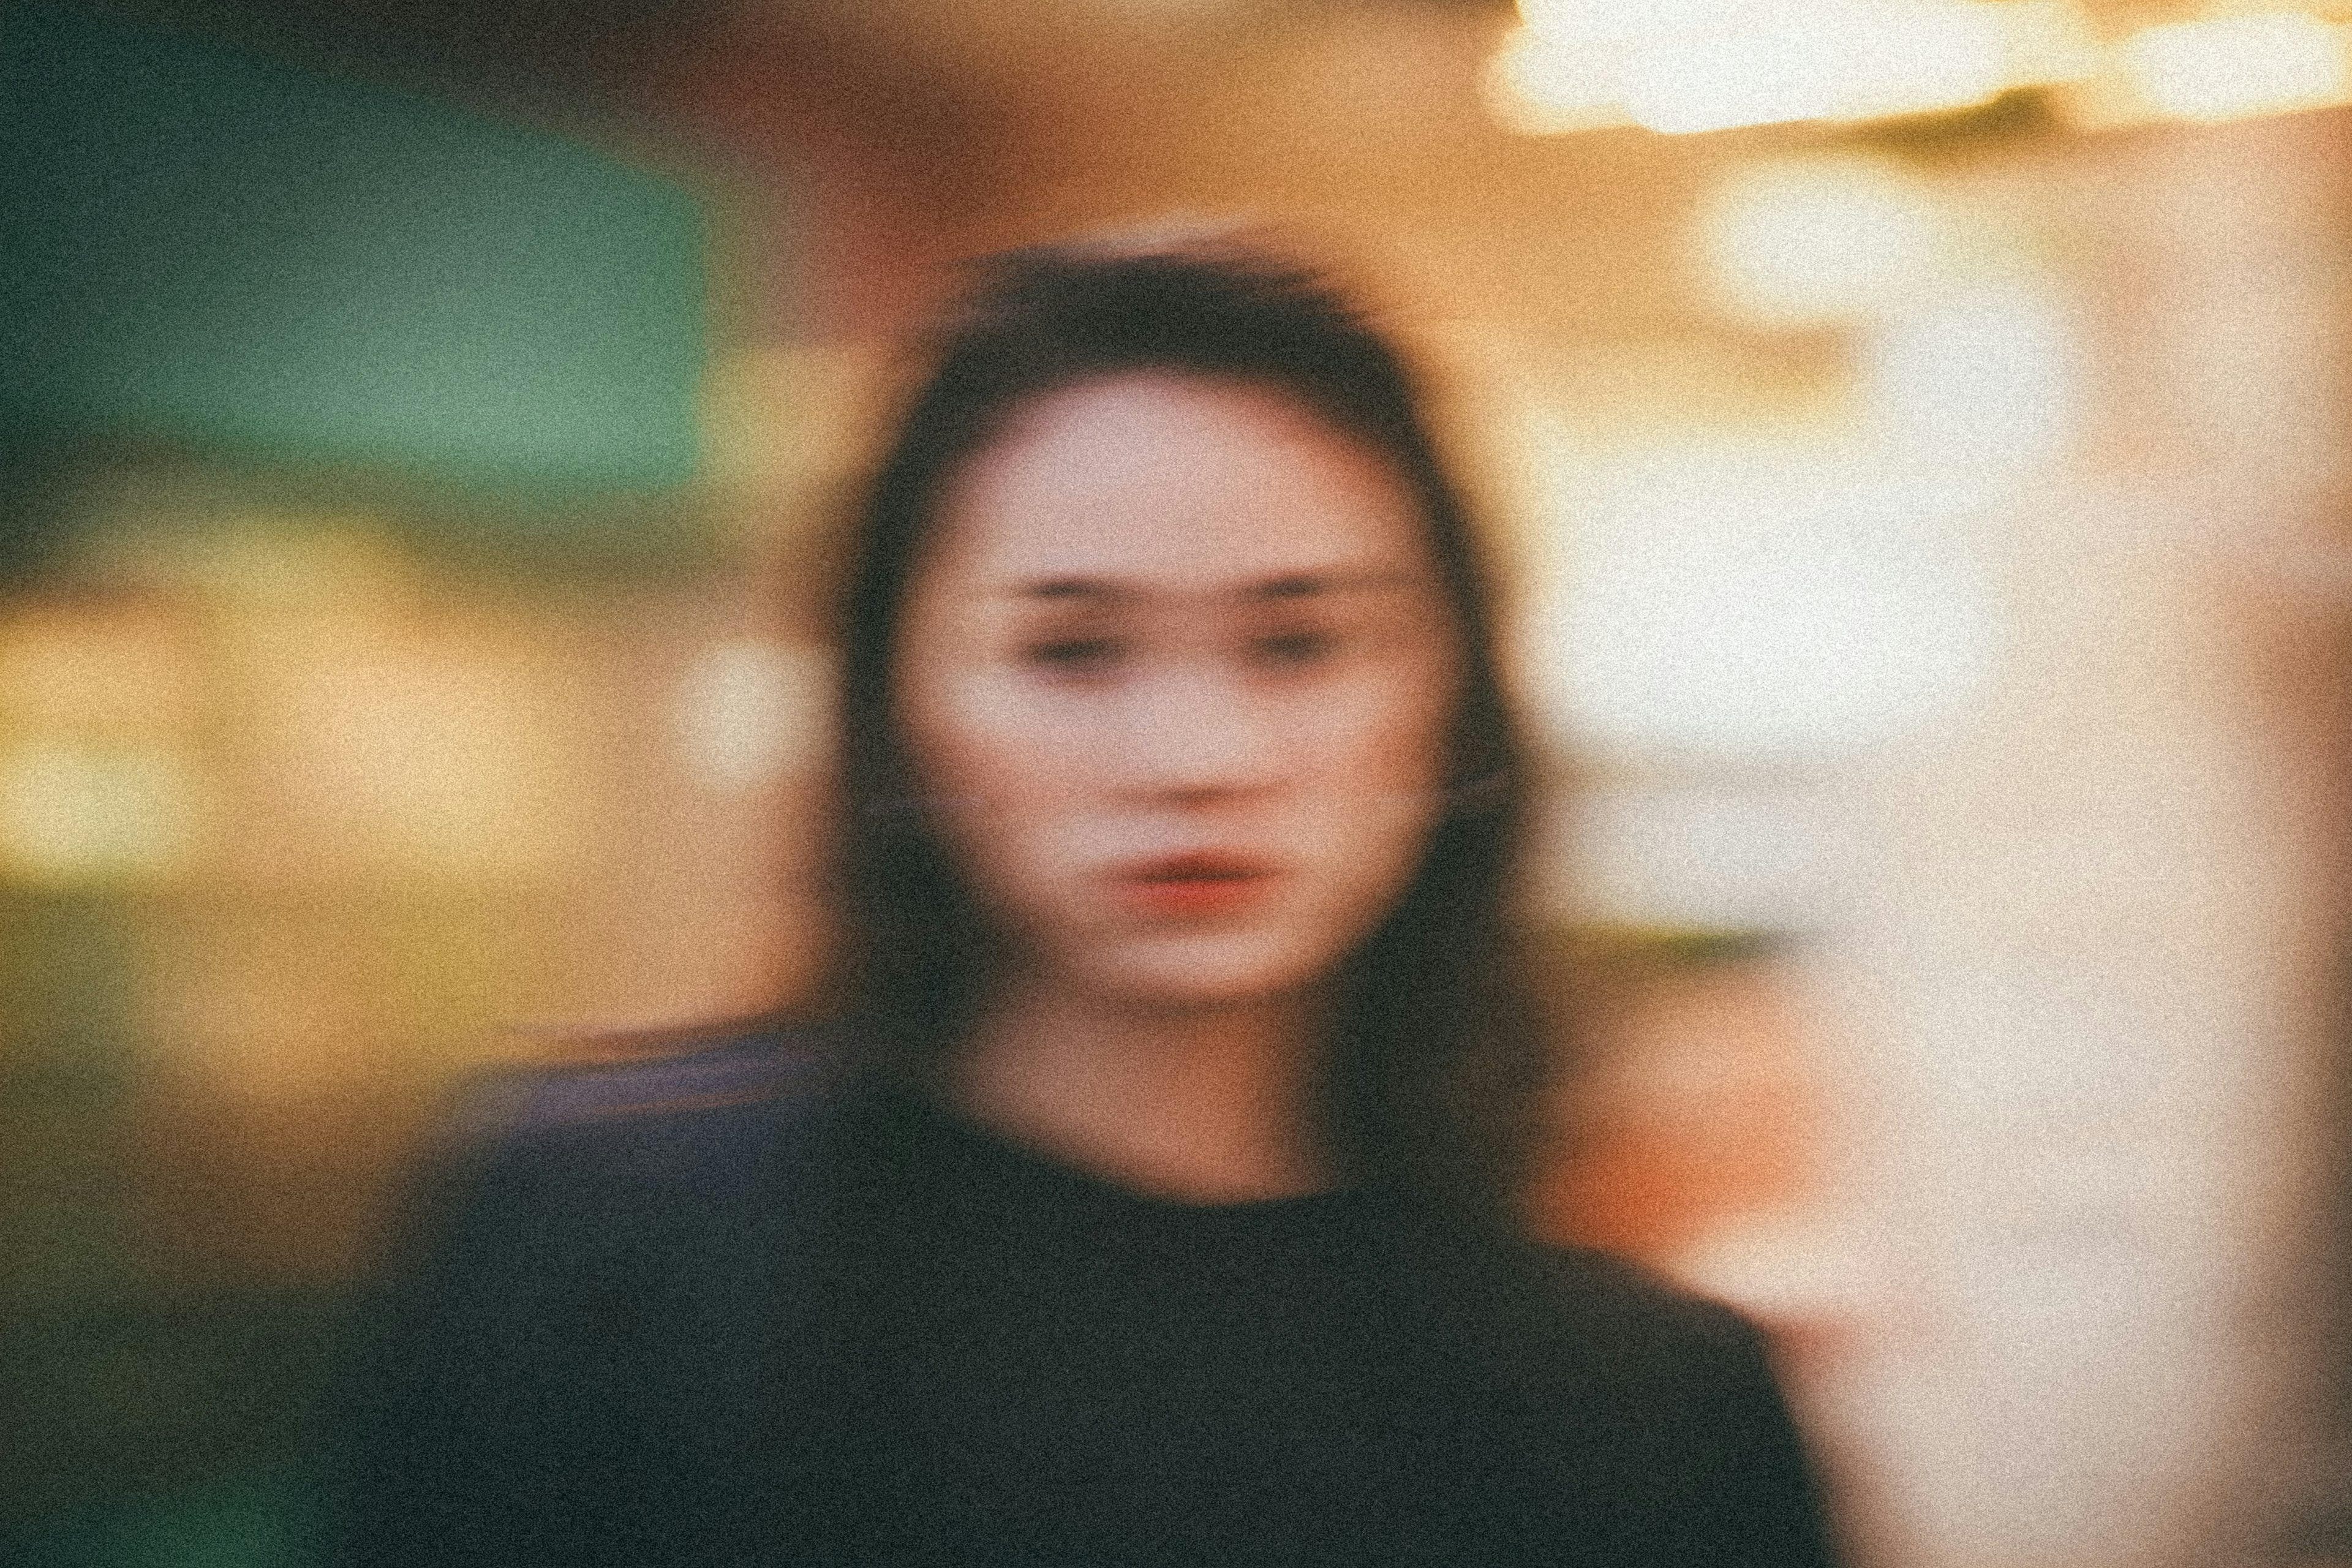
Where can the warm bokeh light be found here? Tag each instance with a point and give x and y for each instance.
(748, 713)
(1706, 853)
(1819, 61)
(1543, 84)
(1695, 66)
(1765, 603)
(98, 717)
(2235, 67)
(70, 815)
(1714, 65)
(1983, 385)
(1803, 242)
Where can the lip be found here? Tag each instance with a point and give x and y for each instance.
(1200, 885)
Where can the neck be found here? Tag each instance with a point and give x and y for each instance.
(1202, 1105)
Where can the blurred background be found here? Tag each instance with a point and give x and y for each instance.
(1916, 431)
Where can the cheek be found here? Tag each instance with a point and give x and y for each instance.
(973, 735)
(1373, 786)
(1008, 779)
(1375, 739)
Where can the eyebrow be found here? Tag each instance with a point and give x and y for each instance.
(1288, 586)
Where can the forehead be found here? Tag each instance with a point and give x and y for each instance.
(1165, 480)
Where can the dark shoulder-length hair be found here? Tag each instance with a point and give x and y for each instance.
(1429, 1088)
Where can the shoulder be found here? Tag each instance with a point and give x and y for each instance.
(617, 1095)
(1655, 1341)
(1551, 1295)
(1623, 1306)
(684, 1080)
(601, 1155)
(561, 1326)
(1571, 1326)
(1670, 1397)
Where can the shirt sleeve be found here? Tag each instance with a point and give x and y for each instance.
(572, 1354)
(1669, 1442)
(432, 1449)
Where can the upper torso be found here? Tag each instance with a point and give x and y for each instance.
(913, 1342)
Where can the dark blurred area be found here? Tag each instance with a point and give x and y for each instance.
(1915, 431)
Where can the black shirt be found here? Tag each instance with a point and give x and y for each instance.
(785, 1326)
(1055, 1369)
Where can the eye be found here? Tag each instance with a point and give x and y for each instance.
(1297, 648)
(1075, 656)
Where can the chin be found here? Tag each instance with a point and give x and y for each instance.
(1205, 972)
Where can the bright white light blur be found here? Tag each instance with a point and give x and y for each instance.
(1986, 381)
(1785, 1267)
(1620, 20)
(1716, 81)
(1701, 857)
(1762, 605)
(1687, 66)
(1682, 66)
(1540, 85)
(2049, 41)
(1832, 59)
(2231, 67)
(1795, 242)
(749, 711)
(1918, 60)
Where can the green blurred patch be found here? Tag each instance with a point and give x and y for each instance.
(164, 1431)
(251, 260)
(261, 1522)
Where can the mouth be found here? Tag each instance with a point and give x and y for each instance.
(1198, 886)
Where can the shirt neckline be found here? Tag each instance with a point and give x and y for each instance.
(975, 1143)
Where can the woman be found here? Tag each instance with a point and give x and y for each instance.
(1151, 1198)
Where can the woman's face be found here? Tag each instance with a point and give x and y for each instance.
(1180, 672)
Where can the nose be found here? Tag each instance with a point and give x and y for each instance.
(1195, 732)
